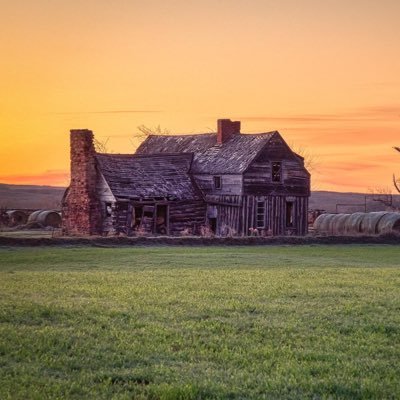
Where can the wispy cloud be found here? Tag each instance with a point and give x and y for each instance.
(303, 118)
(343, 184)
(373, 113)
(370, 136)
(105, 112)
(350, 166)
(50, 177)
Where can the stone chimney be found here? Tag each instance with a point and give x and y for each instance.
(226, 128)
(81, 208)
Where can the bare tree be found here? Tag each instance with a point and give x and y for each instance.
(396, 182)
(145, 131)
(384, 196)
(101, 145)
(310, 161)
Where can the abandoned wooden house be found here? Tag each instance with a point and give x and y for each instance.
(227, 183)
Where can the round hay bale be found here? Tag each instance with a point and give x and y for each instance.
(323, 223)
(352, 225)
(33, 216)
(49, 218)
(338, 224)
(389, 223)
(317, 222)
(369, 224)
(16, 217)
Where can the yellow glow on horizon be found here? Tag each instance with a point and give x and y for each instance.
(324, 74)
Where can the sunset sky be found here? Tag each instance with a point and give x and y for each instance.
(325, 74)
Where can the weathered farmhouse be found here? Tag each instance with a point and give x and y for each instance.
(226, 182)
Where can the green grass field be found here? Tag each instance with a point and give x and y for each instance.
(273, 322)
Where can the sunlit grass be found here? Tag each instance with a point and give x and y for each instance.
(187, 323)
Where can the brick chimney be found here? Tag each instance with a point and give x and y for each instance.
(81, 208)
(226, 128)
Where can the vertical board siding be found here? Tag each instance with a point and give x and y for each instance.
(244, 219)
(236, 215)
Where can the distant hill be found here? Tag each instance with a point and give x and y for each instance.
(30, 196)
(49, 197)
(349, 202)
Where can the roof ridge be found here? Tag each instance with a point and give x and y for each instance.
(214, 133)
(146, 155)
(184, 134)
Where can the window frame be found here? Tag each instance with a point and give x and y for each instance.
(262, 214)
(108, 209)
(215, 178)
(280, 172)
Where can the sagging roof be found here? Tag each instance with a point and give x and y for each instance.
(231, 157)
(142, 176)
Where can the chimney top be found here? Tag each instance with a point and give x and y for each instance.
(83, 132)
(226, 128)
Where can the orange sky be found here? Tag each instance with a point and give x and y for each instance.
(323, 73)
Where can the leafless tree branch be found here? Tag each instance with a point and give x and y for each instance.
(101, 145)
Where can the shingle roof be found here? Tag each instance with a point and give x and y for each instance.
(231, 157)
(149, 176)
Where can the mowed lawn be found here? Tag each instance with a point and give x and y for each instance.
(273, 322)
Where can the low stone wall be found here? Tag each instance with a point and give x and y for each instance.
(97, 241)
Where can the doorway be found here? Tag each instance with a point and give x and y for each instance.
(213, 225)
(161, 226)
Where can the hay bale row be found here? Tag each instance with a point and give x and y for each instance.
(45, 218)
(373, 223)
(16, 217)
(40, 218)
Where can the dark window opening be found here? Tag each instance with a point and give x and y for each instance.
(217, 182)
(289, 214)
(108, 209)
(122, 206)
(276, 172)
(148, 211)
(260, 217)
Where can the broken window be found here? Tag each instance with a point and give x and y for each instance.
(276, 171)
(289, 214)
(217, 182)
(260, 214)
(108, 209)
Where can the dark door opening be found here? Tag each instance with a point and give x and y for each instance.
(289, 214)
(162, 219)
(213, 224)
(137, 215)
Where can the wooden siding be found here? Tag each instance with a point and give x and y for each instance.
(239, 216)
(187, 216)
(295, 180)
(105, 196)
(231, 184)
(183, 217)
(235, 215)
